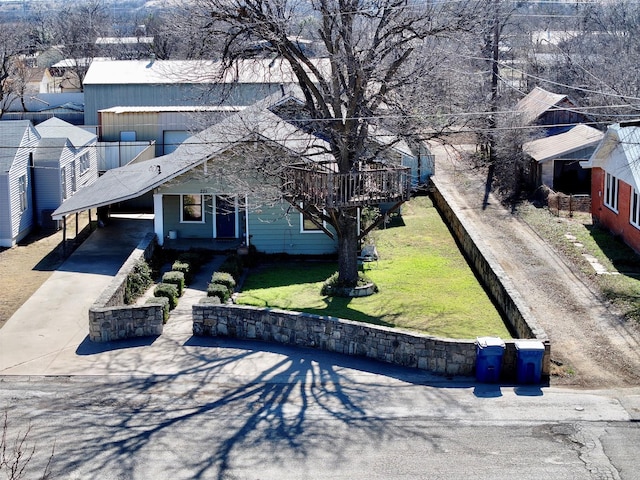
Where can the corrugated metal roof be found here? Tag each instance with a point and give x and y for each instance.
(57, 128)
(198, 108)
(537, 102)
(260, 70)
(123, 40)
(11, 134)
(579, 137)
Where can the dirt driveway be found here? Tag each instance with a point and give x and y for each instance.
(593, 345)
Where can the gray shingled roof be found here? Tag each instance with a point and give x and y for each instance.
(579, 137)
(255, 122)
(56, 128)
(11, 135)
(49, 150)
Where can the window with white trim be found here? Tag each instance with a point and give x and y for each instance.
(22, 191)
(611, 192)
(63, 182)
(635, 208)
(307, 224)
(191, 211)
(85, 163)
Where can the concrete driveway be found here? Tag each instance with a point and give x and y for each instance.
(48, 335)
(43, 336)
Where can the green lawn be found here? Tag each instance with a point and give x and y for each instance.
(425, 283)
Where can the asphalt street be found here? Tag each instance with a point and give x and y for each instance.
(284, 413)
(184, 407)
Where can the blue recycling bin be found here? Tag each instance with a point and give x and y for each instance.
(489, 359)
(529, 361)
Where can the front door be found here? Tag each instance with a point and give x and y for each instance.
(225, 217)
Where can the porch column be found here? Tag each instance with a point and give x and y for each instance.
(158, 223)
(246, 220)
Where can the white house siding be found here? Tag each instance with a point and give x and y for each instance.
(21, 221)
(46, 177)
(5, 216)
(90, 175)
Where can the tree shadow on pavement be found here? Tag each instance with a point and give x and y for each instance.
(288, 404)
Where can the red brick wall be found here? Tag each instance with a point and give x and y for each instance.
(618, 223)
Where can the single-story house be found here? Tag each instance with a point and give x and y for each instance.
(554, 111)
(556, 159)
(65, 161)
(19, 141)
(227, 182)
(615, 182)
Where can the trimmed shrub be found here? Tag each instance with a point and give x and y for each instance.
(209, 301)
(194, 258)
(233, 265)
(185, 268)
(224, 278)
(220, 291)
(138, 281)
(175, 278)
(167, 290)
(164, 301)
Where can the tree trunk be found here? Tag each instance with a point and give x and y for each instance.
(348, 247)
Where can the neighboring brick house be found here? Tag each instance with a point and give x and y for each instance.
(615, 182)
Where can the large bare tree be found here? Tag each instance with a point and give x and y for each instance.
(13, 47)
(376, 55)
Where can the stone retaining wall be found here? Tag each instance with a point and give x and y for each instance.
(110, 319)
(438, 355)
(443, 356)
(499, 286)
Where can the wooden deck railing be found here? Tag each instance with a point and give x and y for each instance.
(369, 186)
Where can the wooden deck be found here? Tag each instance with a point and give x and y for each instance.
(370, 186)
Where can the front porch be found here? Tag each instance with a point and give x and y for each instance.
(226, 245)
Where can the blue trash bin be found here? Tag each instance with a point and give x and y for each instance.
(529, 361)
(489, 359)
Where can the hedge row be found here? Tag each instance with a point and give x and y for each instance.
(224, 281)
(182, 272)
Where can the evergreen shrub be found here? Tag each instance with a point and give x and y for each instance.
(164, 301)
(167, 290)
(175, 278)
(220, 291)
